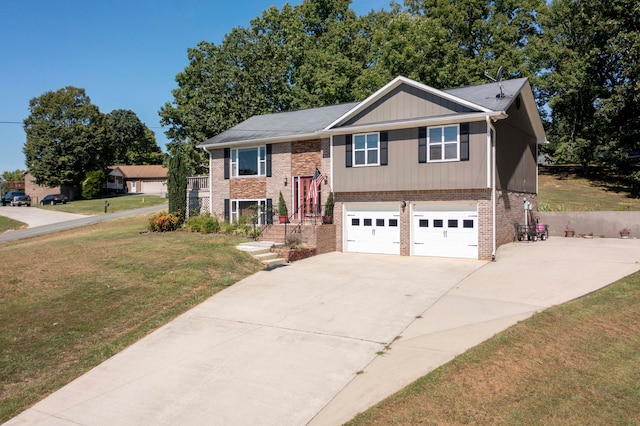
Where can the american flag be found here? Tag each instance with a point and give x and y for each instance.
(314, 187)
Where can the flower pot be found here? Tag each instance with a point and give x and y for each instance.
(624, 234)
(569, 233)
(327, 220)
(283, 219)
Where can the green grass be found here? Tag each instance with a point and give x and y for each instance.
(7, 224)
(563, 188)
(116, 204)
(92, 292)
(578, 363)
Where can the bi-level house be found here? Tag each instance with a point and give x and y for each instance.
(415, 171)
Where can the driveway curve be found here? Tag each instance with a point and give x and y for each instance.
(320, 340)
(33, 216)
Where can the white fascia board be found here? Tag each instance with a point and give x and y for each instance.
(533, 113)
(392, 85)
(420, 122)
(262, 141)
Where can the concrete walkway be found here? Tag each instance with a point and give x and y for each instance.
(285, 346)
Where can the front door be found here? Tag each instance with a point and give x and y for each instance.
(302, 205)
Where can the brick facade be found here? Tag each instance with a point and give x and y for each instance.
(509, 211)
(287, 160)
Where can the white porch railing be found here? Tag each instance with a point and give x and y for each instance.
(197, 183)
(197, 195)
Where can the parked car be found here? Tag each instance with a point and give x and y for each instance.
(21, 200)
(8, 197)
(54, 199)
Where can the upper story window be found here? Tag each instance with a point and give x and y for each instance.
(249, 161)
(443, 143)
(366, 149)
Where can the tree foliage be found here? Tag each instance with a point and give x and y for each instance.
(593, 80)
(133, 142)
(320, 52)
(66, 136)
(177, 185)
(8, 176)
(92, 184)
(581, 55)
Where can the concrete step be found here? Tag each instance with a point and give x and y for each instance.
(275, 262)
(265, 256)
(261, 250)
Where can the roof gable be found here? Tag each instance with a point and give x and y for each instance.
(144, 171)
(428, 94)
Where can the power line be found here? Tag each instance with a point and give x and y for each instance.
(11, 122)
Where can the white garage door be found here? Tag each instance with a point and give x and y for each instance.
(445, 231)
(372, 229)
(153, 187)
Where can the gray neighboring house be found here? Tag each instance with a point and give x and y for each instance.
(415, 171)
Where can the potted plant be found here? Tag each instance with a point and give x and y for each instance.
(328, 210)
(282, 209)
(568, 231)
(624, 233)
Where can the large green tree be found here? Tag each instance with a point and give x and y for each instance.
(592, 82)
(67, 136)
(133, 142)
(320, 52)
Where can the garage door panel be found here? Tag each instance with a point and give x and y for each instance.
(445, 233)
(374, 231)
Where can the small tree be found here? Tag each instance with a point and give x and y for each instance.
(92, 184)
(282, 206)
(328, 206)
(177, 186)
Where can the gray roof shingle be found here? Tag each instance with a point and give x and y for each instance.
(282, 124)
(313, 120)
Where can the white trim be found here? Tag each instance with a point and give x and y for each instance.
(331, 163)
(418, 122)
(366, 150)
(442, 144)
(211, 183)
(491, 137)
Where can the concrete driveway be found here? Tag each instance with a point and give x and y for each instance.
(298, 344)
(34, 216)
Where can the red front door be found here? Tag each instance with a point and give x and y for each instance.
(302, 205)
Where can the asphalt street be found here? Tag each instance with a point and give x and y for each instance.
(42, 221)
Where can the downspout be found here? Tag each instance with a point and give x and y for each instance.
(210, 184)
(491, 143)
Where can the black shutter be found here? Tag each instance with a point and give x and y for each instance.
(268, 160)
(348, 143)
(464, 142)
(269, 211)
(227, 160)
(422, 145)
(384, 148)
(227, 212)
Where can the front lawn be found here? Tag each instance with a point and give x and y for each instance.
(116, 204)
(574, 364)
(7, 224)
(69, 301)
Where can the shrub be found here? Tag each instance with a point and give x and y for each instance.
(92, 184)
(203, 223)
(163, 222)
(227, 228)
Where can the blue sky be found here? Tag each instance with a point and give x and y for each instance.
(124, 53)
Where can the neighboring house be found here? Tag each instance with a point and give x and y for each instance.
(114, 180)
(148, 179)
(414, 170)
(37, 192)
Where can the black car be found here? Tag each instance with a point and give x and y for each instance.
(54, 199)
